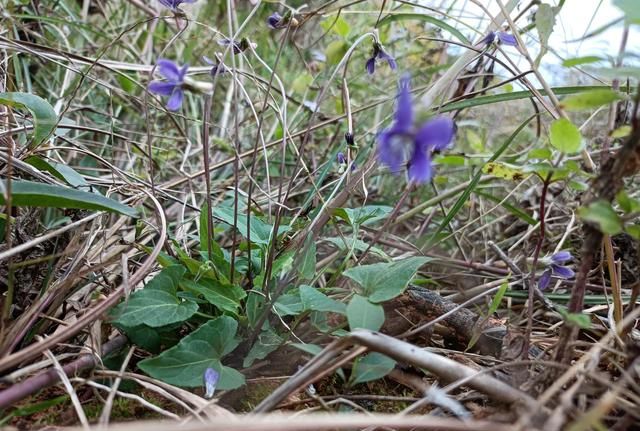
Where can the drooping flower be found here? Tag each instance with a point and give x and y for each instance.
(555, 267)
(379, 53)
(501, 37)
(403, 142)
(174, 5)
(277, 21)
(342, 161)
(211, 378)
(173, 86)
(217, 68)
(238, 46)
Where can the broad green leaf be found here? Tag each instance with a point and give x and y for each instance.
(373, 366)
(367, 215)
(32, 194)
(349, 243)
(185, 363)
(633, 230)
(577, 61)
(384, 281)
(226, 297)
(427, 18)
(565, 136)
(289, 304)
(335, 51)
(302, 82)
(495, 302)
(205, 236)
(540, 153)
(338, 25)
(363, 314)
(152, 339)
(314, 300)
(503, 170)
(307, 266)
(44, 117)
(602, 214)
(268, 341)
(621, 132)
(60, 171)
(590, 99)
(621, 73)
(627, 203)
(157, 304)
(260, 231)
(313, 349)
(631, 8)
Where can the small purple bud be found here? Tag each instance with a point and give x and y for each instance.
(341, 158)
(211, 378)
(348, 137)
(507, 39)
(561, 257)
(543, 281)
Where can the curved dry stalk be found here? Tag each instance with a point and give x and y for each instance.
(318, 422)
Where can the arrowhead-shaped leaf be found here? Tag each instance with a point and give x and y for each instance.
(185, 364)
(157, 304)
(384, 281)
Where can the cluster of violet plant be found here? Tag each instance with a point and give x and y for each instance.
(401, 143)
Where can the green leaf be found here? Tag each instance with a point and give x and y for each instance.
(157, 304)
(151, 339)
(384, 281)
(289, 304)
(580, 320)
(565, 136)
(602, 214)
(335, 51)
(349, 243)
(307, 267)
(302, 82)
(338, 25)
(268, 341)
(590, 99)
(227, 297)
(363, 314)
(184, 364)
(260, 231)
(627, 203)
(621, 132)
(314, 300)
(366, 215)
(633, 230)
(31, 194)
(313, 349)
(631, 8)
(495, 302)
(58, 170)
(427, 18)
(373, 366)
(44, 117)
(545, 20)
(577, 61)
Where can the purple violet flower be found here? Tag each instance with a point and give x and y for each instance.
(238, 46)
(501, 36)
(172, 87)
(555, 266)
(379, 53)
(342, 161)
(174, 5)
(402, 141)
(276, 21)
(211, 378)
(216, 67)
